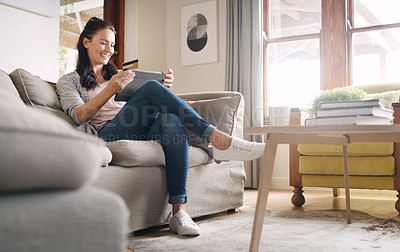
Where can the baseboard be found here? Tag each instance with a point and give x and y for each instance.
(280, 183)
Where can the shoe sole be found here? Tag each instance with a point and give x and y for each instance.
(186, 234)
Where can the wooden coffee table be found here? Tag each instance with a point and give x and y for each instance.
(330, 135)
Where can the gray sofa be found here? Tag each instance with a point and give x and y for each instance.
(136, 169)
(46, 168)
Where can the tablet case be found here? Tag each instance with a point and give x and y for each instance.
(141, 78)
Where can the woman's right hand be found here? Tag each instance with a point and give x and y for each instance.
(120, 80)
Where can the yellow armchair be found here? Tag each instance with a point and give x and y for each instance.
(371, 165)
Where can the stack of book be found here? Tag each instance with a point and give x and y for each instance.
(362, 112)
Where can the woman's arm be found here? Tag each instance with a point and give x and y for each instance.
(88, 110)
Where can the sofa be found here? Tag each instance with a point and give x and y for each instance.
(371, 165)
(134, 170)
(46, 200)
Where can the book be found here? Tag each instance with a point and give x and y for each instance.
(141, 78)
(353, 103)
(349, 120)
(353, 111)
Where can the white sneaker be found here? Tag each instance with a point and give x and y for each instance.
(240, 150)
(182, 224)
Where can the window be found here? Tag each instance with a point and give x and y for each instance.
(311, 45)
(292, 52)
(374, 35)
(74, 14)
(73, 17)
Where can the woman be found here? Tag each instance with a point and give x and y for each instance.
(152, 113)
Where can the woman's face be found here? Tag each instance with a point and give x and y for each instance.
(101, 47)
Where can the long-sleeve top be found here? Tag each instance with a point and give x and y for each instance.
(72, 95)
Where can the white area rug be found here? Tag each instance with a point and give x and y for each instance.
(285, 231)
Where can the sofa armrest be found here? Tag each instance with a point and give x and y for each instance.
(223, 109)
(41, 151)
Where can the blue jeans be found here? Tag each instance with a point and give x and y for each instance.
(155, 113)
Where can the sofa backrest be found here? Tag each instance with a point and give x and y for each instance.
(7, 84)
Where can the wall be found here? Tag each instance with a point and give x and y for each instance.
(158, 43)
(197, 78)
(29, 41)
(145, 32)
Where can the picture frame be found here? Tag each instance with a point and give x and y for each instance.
(199, 42)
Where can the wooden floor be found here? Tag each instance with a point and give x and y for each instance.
(375, 203)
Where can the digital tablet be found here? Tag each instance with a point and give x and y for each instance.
(141, 78)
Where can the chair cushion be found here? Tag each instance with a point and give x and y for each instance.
(359, 182)
(387, 98)
(40, 151)
(34, 91)
(368, 166)
(130, 153)
(353, 149)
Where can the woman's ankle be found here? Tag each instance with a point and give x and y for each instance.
(176, 207)
(220, 140)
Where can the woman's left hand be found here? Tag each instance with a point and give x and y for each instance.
(169, 78)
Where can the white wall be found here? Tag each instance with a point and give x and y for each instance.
(29, 41)
(158, 43)
(131, 27)
(197, 78)
(145, 33)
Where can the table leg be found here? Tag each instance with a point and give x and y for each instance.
(346, 183)
(263, 190)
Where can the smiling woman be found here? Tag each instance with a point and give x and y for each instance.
(153, 112)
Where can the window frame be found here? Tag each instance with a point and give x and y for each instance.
(336, 58)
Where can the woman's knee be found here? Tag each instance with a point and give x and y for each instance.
(153, 84)
(169, 119)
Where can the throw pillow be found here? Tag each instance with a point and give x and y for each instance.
(219, 112)
(34, 91)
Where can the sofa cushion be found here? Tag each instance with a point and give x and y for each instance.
(40, 151)
(130, 153)
(7, 84)
(35, 91)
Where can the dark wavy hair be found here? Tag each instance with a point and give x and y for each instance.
(84, 69)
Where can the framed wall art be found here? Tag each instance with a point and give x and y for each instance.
(199, 33)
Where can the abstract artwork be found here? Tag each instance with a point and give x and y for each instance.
(199, 33)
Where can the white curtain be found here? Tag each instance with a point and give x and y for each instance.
(244, 66)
